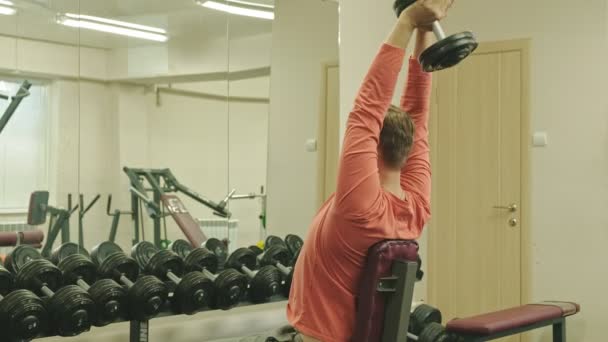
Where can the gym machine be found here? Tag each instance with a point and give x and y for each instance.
(263, 199)
(161, 183)
(23, 92)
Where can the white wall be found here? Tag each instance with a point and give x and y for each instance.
(569, 186)
(305, 35)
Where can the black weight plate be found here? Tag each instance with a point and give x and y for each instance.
(256, 250)
(286, 287)
(110, 300)
(276, 254)
(419, 271)
(295, 259)
(218, 248)
(119, 264)
(230, 288)
(22, 316)
(422, 316)
(272, 240)
(100, 252)
(142, 252)
(294, 243)
(163, 262)
(146, 298)
(448, 51)
(201, 258)
(193, 293)
(38, 273)
(72, 311)
(7, 281)
(265, 284)
(401, 5)
(66, 250)
(242, 257)
(181, 247)
(433, 332)
(20, 256)
(77, 266)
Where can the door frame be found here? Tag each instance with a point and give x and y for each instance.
(522, 46)
(322, 132)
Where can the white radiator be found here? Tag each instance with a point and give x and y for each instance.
(221, 229)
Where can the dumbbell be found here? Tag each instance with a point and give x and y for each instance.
(277, 255)
(22, 313)
(193, 292)
(433, 332)
(77, 268)
(230, 284)
(293, 243)
(421, 317)
(146, 294)
(264, 283)
(71, 309)
(448, 51)
(218, 248)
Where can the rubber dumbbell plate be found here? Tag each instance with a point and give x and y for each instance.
(265, 284)
(72, 311)
(117, 264)
(20, 256)
(146, 298)
(193, 293)
(434, 332)
(7, 281)
(22, 315)
(37, 273)
(66, 250)
(201, 258)
(294, 243)
(77, 266)
(422, 316)
(230, 285)
(104, 250)
(110, 300)
(181, 247)
(448, 52)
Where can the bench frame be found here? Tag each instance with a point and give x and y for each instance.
(399, 286)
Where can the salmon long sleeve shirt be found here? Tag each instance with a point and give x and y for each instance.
(361, 213)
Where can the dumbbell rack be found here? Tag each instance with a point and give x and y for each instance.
(140, 331)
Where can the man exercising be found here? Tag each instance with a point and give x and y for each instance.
(379, 195)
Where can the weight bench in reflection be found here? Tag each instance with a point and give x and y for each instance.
(386, 291)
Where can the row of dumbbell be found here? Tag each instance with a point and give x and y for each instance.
(72, 309)
(425, 325)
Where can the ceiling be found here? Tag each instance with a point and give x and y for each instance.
(181, 18)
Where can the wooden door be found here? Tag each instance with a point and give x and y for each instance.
(479, 162)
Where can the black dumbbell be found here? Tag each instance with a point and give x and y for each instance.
(22, 313)
(264, 283)
(78, 269)
(422, 316)
(230, 284)
(218, 248)
(294, 243)
(433, 332)
(71, 309)
(277, 255)
(448, 51)
(146, 295)
(193, 292)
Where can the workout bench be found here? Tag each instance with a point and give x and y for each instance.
(387, 288)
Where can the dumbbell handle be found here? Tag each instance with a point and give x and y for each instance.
(248, 272)
(209, 274)
(438, 30)
(173, 277)
(83, 284)
(285, 270)
(47, 292)
(412, 336)
(126, 281)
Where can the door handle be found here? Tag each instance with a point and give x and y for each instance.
(511, 207)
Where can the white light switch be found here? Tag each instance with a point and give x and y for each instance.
(539, 139)
(311, 145)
